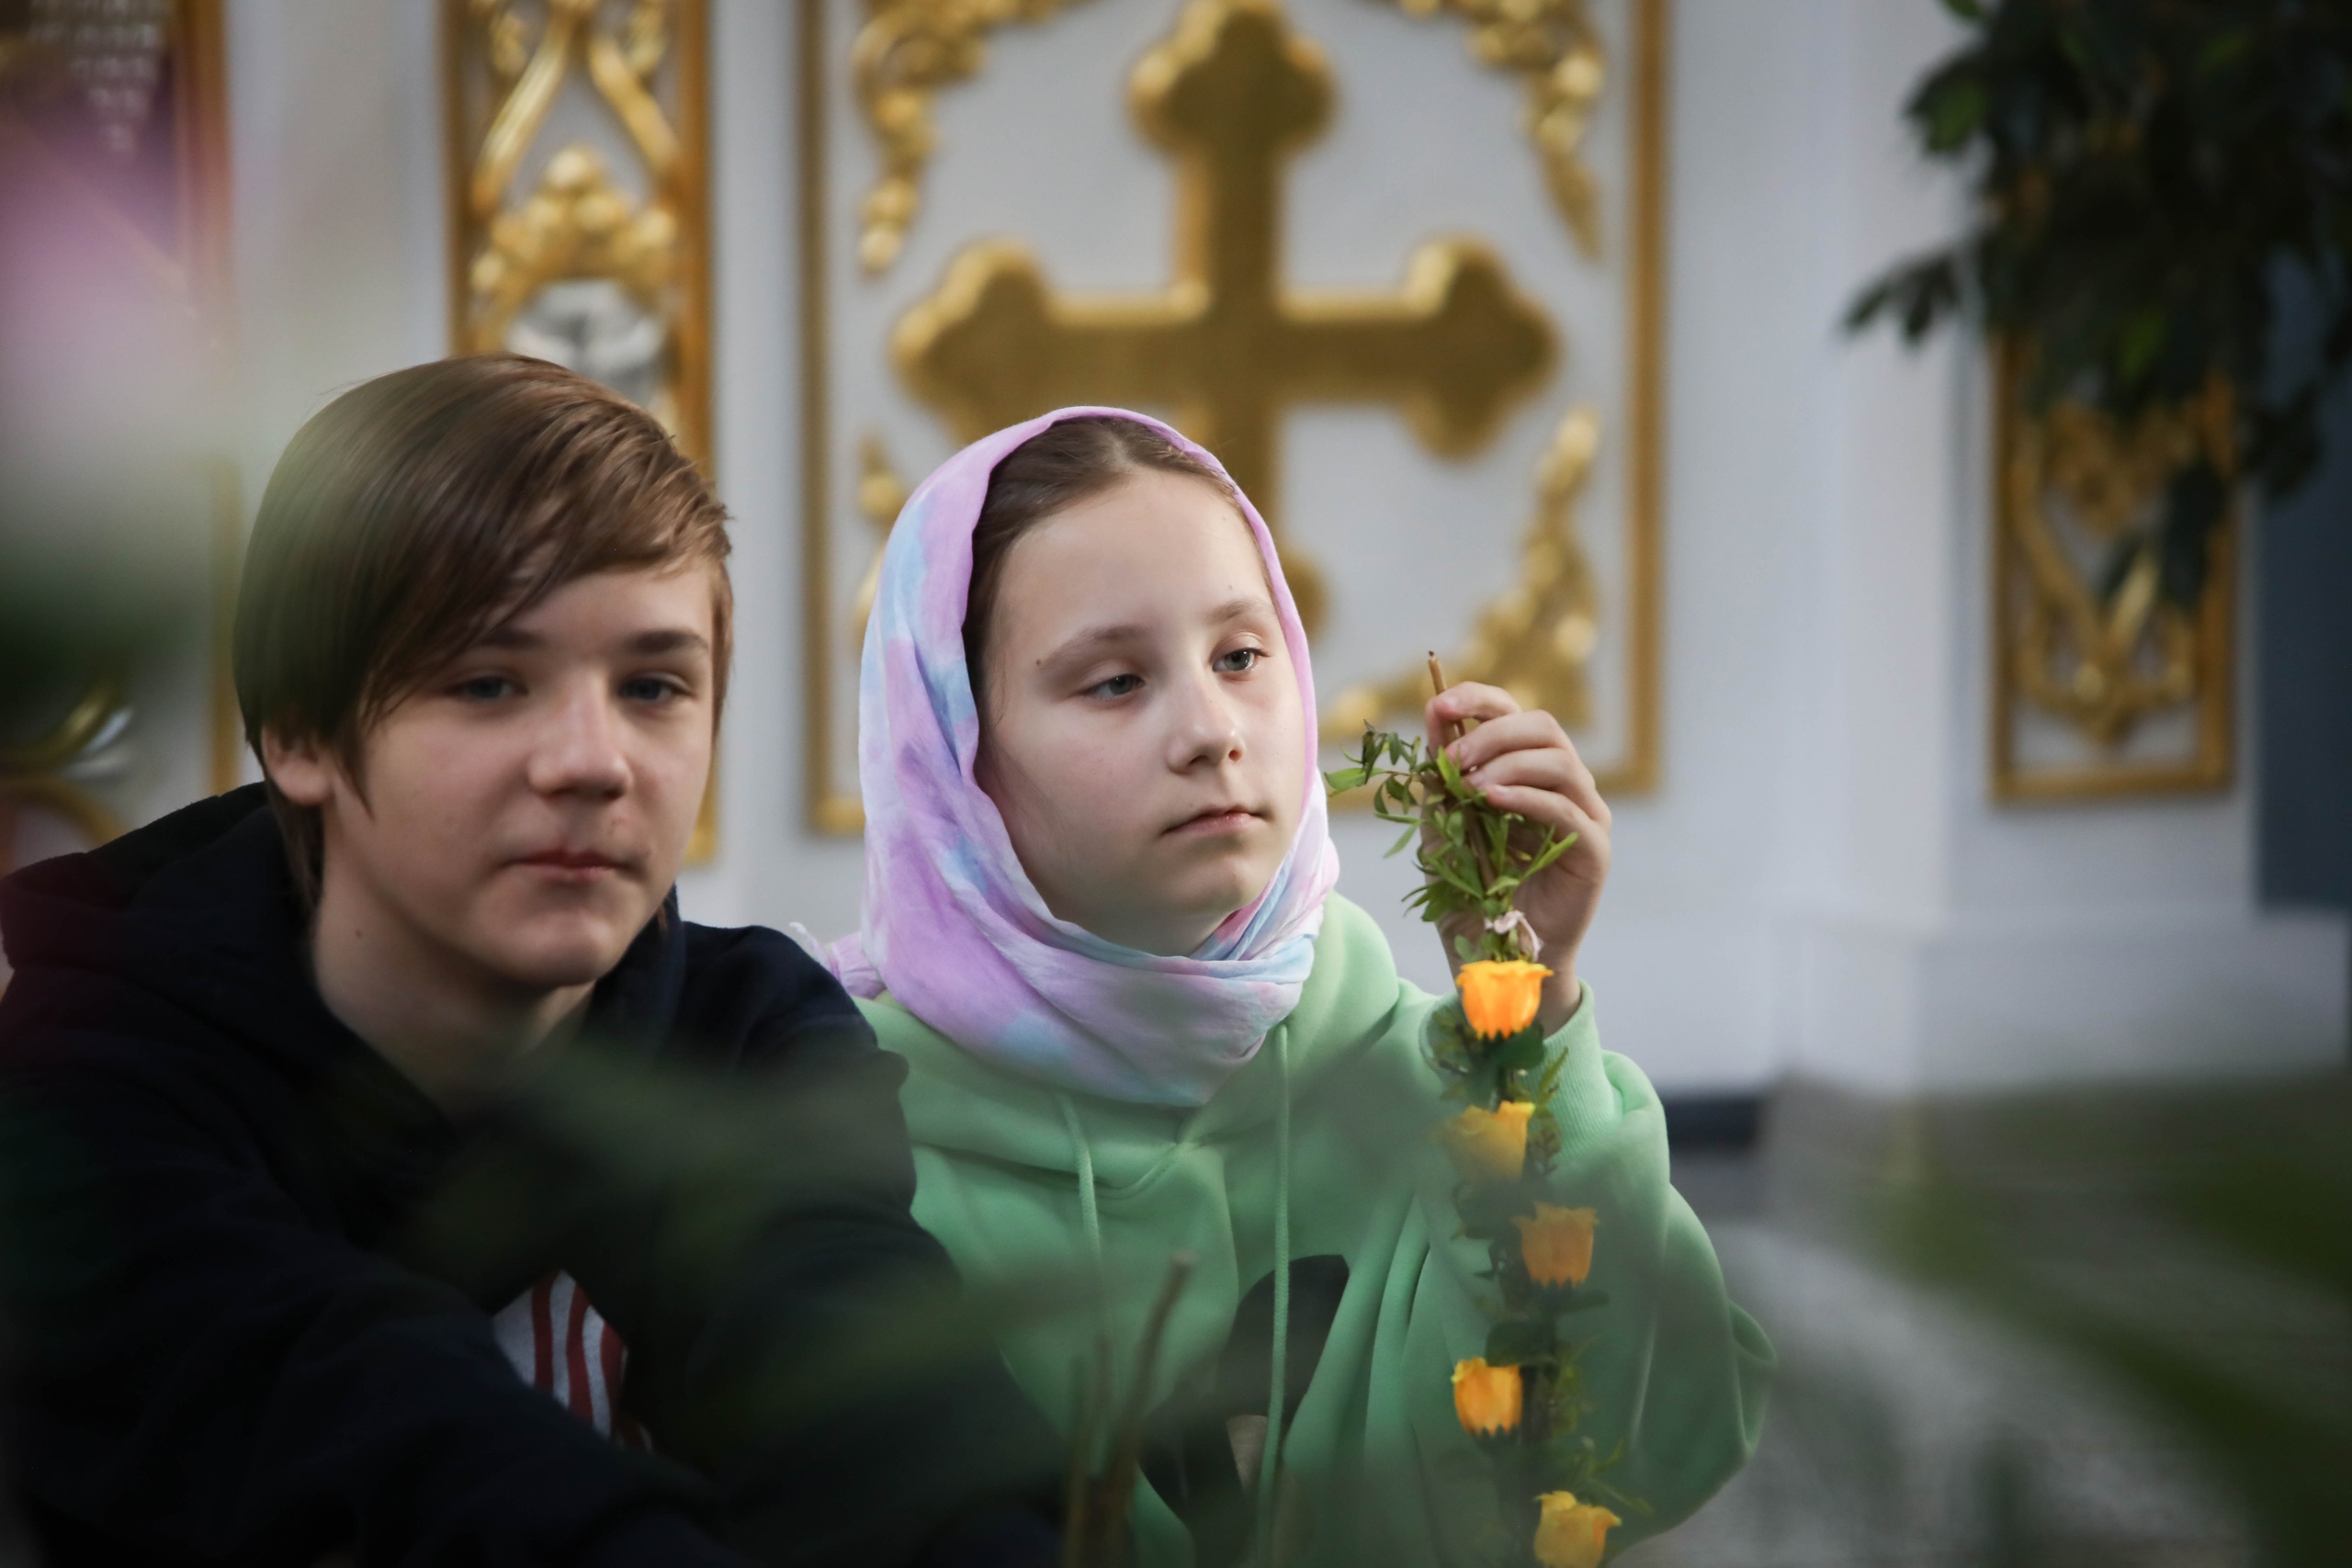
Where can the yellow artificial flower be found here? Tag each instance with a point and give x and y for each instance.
(1485, 1399)
(1501, 996)
(1557, 1244)
(1488, 1146)
(1571, 1534)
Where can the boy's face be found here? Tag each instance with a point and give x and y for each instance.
(526, 809)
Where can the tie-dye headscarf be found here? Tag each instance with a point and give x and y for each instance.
(954, 928)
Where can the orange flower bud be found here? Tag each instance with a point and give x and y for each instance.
(1501, 996)
(1485, 1399)
(1488, 1146)
(1571, 1534)
(1557, 1244)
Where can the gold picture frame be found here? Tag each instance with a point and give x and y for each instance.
(526, 218)
(2101, 664)
(188, 261)
(1554, 124)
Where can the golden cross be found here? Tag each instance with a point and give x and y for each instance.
(1231, 95)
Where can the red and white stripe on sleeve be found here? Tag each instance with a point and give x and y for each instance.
(561, 1345)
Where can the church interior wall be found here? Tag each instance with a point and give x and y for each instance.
(1820, 882)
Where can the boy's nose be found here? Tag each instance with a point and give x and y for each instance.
(580, 752)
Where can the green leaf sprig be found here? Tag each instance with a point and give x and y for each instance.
(1474, 858)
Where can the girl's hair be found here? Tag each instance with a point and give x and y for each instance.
(1056, 468)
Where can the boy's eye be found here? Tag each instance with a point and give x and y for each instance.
(1116, 686)
(484, 688)
(1240, 662)
(650, 689)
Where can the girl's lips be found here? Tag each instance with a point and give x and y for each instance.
(1230, 819)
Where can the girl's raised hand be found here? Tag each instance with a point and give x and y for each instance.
(1525, 763)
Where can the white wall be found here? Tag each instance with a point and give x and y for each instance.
(1818, 883)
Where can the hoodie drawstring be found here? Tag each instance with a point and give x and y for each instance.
(1090, 1217)
(1269, 1461)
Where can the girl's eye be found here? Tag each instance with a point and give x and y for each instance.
(484, 688)
(1240, 662)
(650, 689)
(1116, 686)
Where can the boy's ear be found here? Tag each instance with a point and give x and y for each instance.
(300, 767)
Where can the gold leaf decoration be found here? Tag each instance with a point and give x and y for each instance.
(1535, 639)
(906, 51)
(1553, 48)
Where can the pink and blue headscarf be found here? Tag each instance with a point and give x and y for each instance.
(955, 930)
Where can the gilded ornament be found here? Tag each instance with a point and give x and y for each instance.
(52, 773)
(1553, 48)
(1535, 638)
(2105, 657)
(1000, 286)
(150, 74)
(906, 51)
(881, 495)
(1231, 95)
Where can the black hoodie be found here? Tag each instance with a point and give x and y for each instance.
(250, 1268)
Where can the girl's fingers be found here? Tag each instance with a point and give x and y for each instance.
(1513, 747)
(1508, 732)
(1549, 768)
(1543, 807)
(1447, 713)
(1533, 734)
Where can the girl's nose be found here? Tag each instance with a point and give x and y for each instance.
(1206, 731)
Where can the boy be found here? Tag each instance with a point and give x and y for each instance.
(343, 1109)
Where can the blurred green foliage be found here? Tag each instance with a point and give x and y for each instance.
(2145, 170)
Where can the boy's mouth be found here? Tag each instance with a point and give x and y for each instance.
(573, 865)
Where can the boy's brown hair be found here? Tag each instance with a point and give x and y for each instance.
(418, 511)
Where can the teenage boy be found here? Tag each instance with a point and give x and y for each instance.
(309, 1186)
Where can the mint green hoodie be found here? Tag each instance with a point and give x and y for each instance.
(1328, 1128)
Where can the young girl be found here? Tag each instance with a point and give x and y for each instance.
(1100, 926)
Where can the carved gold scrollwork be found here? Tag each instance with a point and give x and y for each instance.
(1553, 46)
(580, 224)
(144, 81)
(42, 773)
(1229, 93)
(1536, 639)
(2073, 488)
(881, 495)
(906, 51)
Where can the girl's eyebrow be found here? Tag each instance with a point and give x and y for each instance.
(1088, 640)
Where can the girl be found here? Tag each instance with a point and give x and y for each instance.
(1100, 926)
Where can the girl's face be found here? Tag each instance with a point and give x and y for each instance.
(1142, 732)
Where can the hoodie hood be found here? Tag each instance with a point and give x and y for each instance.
(196, 912)
(960, 1101)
